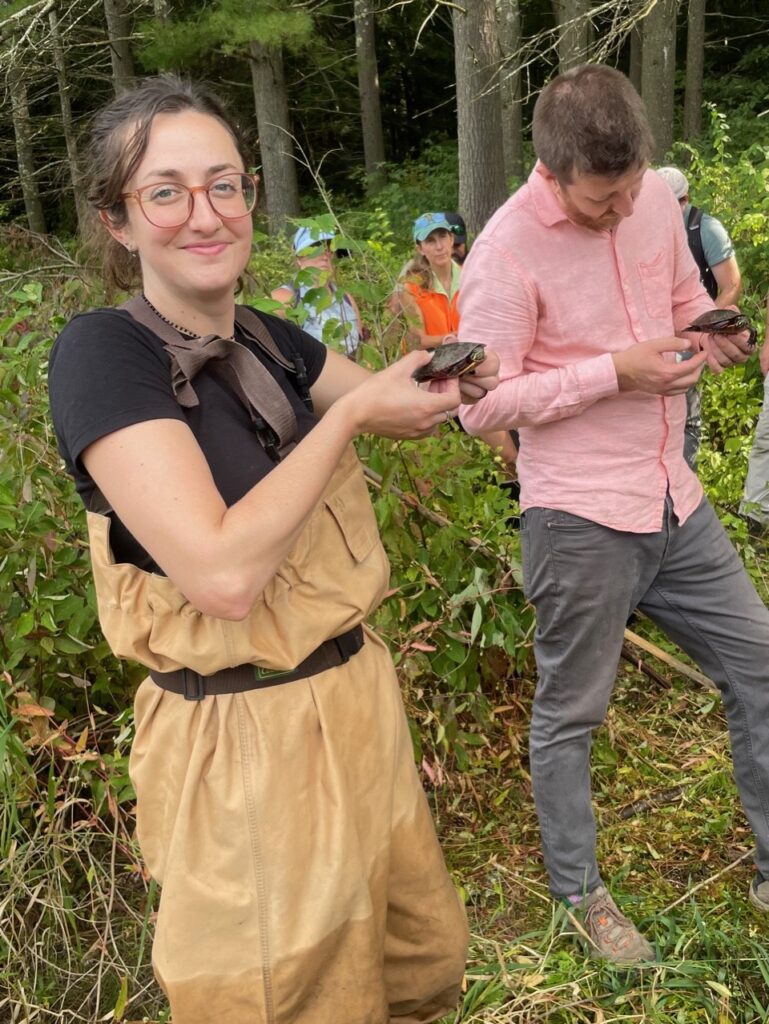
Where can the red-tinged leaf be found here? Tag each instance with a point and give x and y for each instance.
(422, 625)
(417, 646)
(51, 541)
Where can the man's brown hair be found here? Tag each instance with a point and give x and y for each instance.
(590, 120)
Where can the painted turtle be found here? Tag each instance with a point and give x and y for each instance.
(723, 321)
(453, 359)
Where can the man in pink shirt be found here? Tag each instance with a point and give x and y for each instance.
(583, 283)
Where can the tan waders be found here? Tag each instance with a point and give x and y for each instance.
(302, 881)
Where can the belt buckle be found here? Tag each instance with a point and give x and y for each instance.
(194, 686)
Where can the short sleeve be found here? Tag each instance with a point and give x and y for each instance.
(106, 372)
(716, 243)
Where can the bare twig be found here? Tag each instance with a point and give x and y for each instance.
(707, 881)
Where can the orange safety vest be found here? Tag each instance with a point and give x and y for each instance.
(439, 315)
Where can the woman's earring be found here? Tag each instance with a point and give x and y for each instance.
(131, 250)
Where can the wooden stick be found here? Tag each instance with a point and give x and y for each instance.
(650, 803)
(642, 666)
(679, 666)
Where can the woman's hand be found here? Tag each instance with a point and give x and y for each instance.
(392, 404)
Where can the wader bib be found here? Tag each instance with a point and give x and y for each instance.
(302, 881)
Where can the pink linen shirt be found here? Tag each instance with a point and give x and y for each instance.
(554, 300)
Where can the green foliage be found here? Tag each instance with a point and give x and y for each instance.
(419, 186)
(49, 637)
(733, 185)
(228, 25)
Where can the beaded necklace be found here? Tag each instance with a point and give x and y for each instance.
(184, 331)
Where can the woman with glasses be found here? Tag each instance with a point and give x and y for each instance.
(331, 315)
(235, 554)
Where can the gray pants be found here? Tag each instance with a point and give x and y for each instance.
(755, 501)
(584, 580)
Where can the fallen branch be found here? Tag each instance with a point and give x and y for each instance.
(642, 666)
(650, 803)
(674, 663)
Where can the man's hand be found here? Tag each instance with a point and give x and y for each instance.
(643, 367)
(726, 349)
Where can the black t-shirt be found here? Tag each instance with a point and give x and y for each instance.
(107, 372)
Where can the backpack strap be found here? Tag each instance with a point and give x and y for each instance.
(694, 237)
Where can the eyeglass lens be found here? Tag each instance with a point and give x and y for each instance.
(168, 204)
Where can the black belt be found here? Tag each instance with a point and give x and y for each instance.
(194, 686)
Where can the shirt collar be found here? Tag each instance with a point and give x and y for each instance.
(456, 274)
(546, 204)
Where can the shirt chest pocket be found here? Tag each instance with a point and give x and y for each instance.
(656, 286)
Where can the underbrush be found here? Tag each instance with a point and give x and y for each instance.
(76, 908)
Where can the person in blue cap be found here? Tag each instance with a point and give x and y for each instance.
(430, 289)
(332, 316)
(427, 298)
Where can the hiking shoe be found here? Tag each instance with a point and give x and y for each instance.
(758, 894)
(612, 936)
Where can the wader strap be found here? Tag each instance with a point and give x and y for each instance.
(193, 686)
(250, 324)
(252, 382)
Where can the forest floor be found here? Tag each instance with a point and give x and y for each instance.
(76, 918)
(674, 848)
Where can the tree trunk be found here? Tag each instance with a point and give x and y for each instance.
(276, 143)
(509, 30)
(66, 121)
(368, 87)
(636, 55)
(479, 113)
(118, 34)
(571, 17)
(658, 72)
(24, 154)
(695, 59)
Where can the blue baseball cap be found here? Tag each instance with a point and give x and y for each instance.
(306, 238)
(429, 222)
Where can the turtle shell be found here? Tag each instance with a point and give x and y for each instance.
(451, 360)
(720, 321)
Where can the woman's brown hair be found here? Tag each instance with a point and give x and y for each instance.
(419, 272)
(119, 137)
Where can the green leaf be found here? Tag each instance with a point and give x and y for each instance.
(475, 625)
(122, 999)
(26, 623)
